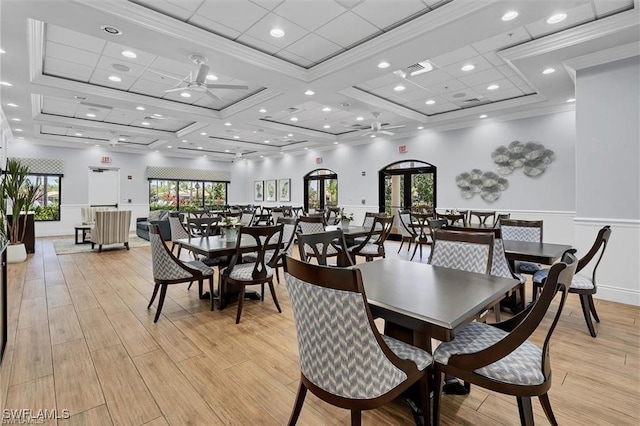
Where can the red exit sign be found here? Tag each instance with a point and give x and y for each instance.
(402, 149)
(318, 160)
(105, 160)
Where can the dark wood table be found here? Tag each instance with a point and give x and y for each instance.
(84, 230)
(546, 253)
(420, 301)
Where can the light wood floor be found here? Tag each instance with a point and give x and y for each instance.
(81, 339)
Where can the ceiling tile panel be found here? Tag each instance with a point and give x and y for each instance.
(493, 58)
(114, 66)
(149, 88)
(512, 92)
(604, 8)
(238, 15)
(258, 44)
(386, 14)
(517, 81)
(503, 83)
(267, 4)
(214, 27)
(101, 78)
(313, 47)
(59, 106)
(526, 89)
(575, 16)
(309, 14)
(431, 78)
(115, 50)
(486, 76)
(347, 29)
(298, 60)
(171, 67)
(507, 71)
(73, 38)
(165, 7)
(454, 56)
(502, 41)
(189, 5)
(480, 63)
(71, 54)
(260, 31)
(57, 67)
(446, 87)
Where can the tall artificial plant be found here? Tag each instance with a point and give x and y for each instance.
(21, 194)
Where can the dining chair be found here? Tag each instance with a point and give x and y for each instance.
(523, 230)
(373, 244)
(260, 272)
(178, 231)
(352, 365)
(276, 213)
(453, 218)
(324, 245)
(368, 223)
(483, 217)
(168, 269)
(582, 285)
(466, 251)
(289, 227)
(311, 224)
(424, 225)
(407, 232)
(111, 227)
(247, 217)
(499, 357)
(333, 215)
(204, 226)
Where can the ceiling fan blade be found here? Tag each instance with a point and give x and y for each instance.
(384, 132)
(211, 95)
(202, 73)
(227, 86)
(400, 126)
(176, 89)
(166, 75)
(368, 133)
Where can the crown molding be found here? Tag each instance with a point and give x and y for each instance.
(378, 102)
(291, 129)
(249, 102)
(35, 46)
(160, 23)
(602, 57)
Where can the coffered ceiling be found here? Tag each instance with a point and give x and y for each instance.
(306, 74)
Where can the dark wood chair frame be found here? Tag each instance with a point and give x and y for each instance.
(500, 217)
(483, 216)
(377, 235)
(196, 275)
(333, 215)
(204, 226)
(444, 234)
(313, 218)
(408, 228)
(346, 279)
(187, 230)
(262, 238)
(453, 218)
(586, 295)
(325, 239)
(520, 327)
(283, 253)
(424, 225)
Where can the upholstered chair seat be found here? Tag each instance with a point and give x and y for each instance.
(579, 281)
(403, 350)
(244, 271)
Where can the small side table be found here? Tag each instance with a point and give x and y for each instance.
(85, 230)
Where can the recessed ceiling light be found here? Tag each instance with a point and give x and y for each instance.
(2, 51)
(78, 134)
(227, 150)
(227, 124)
(326, 126)
(262, 156)
(309, 92)
(359, 118)
(306, 147)
(335, 142)
(290, 135)
(430, 102)
(384, 64)
(399, 88)
(91, 115)
(140, 108)
(373, 136)
(97, 145)
(169, 146)
(5, 83)
(267, 141)
(199, 147)
(262, 110)
(420, 127)
(211, 77)
(17, 130)
(185, 94)
(203, 134)
(110, 30)
(558, 17)
(548, 71)
(294, 119)
(12, 105)
(20, 137)
(571, 100)
(277, 32)
(483, 116)
(121, 139)
(129, 54)
(16, 119)
(468, 67)
(115, 78)
(236, 137)
(326, 109)
(493, 87)
(512, 14)
(184, 141)
(145, 123)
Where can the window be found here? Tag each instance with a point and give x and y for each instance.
(47, 204)
(320, 190)
(186, 195)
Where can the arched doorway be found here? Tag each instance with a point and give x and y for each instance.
(320, 190)
(407, 185)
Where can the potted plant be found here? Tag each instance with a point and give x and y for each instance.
(20, 193)
(345, 219)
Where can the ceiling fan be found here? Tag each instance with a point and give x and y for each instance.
(378, 128)
(199, 84)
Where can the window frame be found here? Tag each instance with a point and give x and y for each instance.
(201, 191)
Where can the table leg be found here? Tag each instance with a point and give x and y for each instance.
(77, 232)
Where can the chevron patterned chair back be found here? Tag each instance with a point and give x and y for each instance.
(523, 230)
(168, 269)
(322, 246)
(466, 251)
(351, 365)
(178, 231)
(499, 356)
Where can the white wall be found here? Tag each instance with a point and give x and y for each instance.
(608, 176)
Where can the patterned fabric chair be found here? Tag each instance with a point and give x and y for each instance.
(178, 231)
(407, 232)
(111, 227)
(483, 217)
(582, 285)
(466, 251)
(499, 357)
(241, 274)
(523, 230)
(168, 269)
(289, 227)
(313, 224)
(379, 368)
(324, 245)
(424, 225)
(367, 223)
(373, 244)
(88, 214)
(333, 215)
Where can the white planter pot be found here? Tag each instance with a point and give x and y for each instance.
(231, 234)
(16, 253)
(344, 224)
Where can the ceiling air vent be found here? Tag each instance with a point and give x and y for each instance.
(471, 101)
